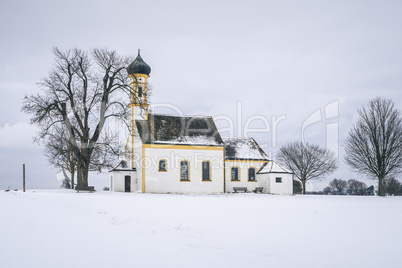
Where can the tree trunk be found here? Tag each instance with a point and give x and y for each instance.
(380, 191)
(304, 186)
(82, 178)
(72, 178)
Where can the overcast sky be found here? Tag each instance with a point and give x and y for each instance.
(282, 61)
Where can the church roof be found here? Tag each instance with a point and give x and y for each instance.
(272, 167)
(243, 149)
(183, 130)
(122, 166)
(138, 66)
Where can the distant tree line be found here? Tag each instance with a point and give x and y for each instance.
(390, 187)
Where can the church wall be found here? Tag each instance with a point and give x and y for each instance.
(169, 181)
(243, 181)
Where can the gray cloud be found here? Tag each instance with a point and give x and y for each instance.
(278, 57)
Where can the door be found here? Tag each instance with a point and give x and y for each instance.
(127, 183)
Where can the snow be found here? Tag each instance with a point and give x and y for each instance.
(191, 140)
(273, 167)
(245, 148)
(61, 228)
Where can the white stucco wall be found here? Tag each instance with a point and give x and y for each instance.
(169, 181)
(285, 187)
(243, 166)
(263, 180)
(117, 181)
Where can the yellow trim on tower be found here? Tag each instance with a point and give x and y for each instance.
(132, 136)
(143, 169)
(224, 171)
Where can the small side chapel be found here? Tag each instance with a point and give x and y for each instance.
(186, 154)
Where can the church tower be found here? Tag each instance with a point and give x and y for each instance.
(139, 72)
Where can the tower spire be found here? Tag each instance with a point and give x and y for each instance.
(139, 72)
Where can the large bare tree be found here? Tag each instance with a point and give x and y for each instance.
(374, 144)
(81, 93)
(307, 161)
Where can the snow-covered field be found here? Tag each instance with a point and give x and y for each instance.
(60, 228)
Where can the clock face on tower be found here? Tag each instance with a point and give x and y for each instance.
(140, 79)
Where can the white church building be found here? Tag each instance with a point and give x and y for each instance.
(186, 154)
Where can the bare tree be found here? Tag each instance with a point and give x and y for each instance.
(356, 187)
(374, 145)
(338, 185)
(82, 91)
(391, 186)
(307, 161)
(60, 153)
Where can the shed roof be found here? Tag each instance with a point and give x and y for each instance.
(273, 167)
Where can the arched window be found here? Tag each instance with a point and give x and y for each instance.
(206, 171)
(162, 165)
(184, 170)
(234, 174)
(139, 92)
(251, 174)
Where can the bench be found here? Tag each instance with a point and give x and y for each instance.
(85, 189)
(240, 189)
(258, 189)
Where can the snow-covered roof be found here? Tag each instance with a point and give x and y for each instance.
(273, 167)
(122, 166)
(243, 148)
(175, 129)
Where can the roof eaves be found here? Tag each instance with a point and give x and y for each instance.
(186, 144)
(247, 159)
(121, 169)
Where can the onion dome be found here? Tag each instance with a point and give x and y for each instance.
(138, 66)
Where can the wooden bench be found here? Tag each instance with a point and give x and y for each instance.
(85, 189)
(258, 189)
(240, 189)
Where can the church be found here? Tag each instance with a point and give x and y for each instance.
(186, 154)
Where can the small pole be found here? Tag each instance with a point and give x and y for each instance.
(23, 177)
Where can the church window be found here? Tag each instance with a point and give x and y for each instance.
(206, 171)
(162, 165)
(139, 92)
(234, 174)
(251, 174)
(184, 170)
(278, 179)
